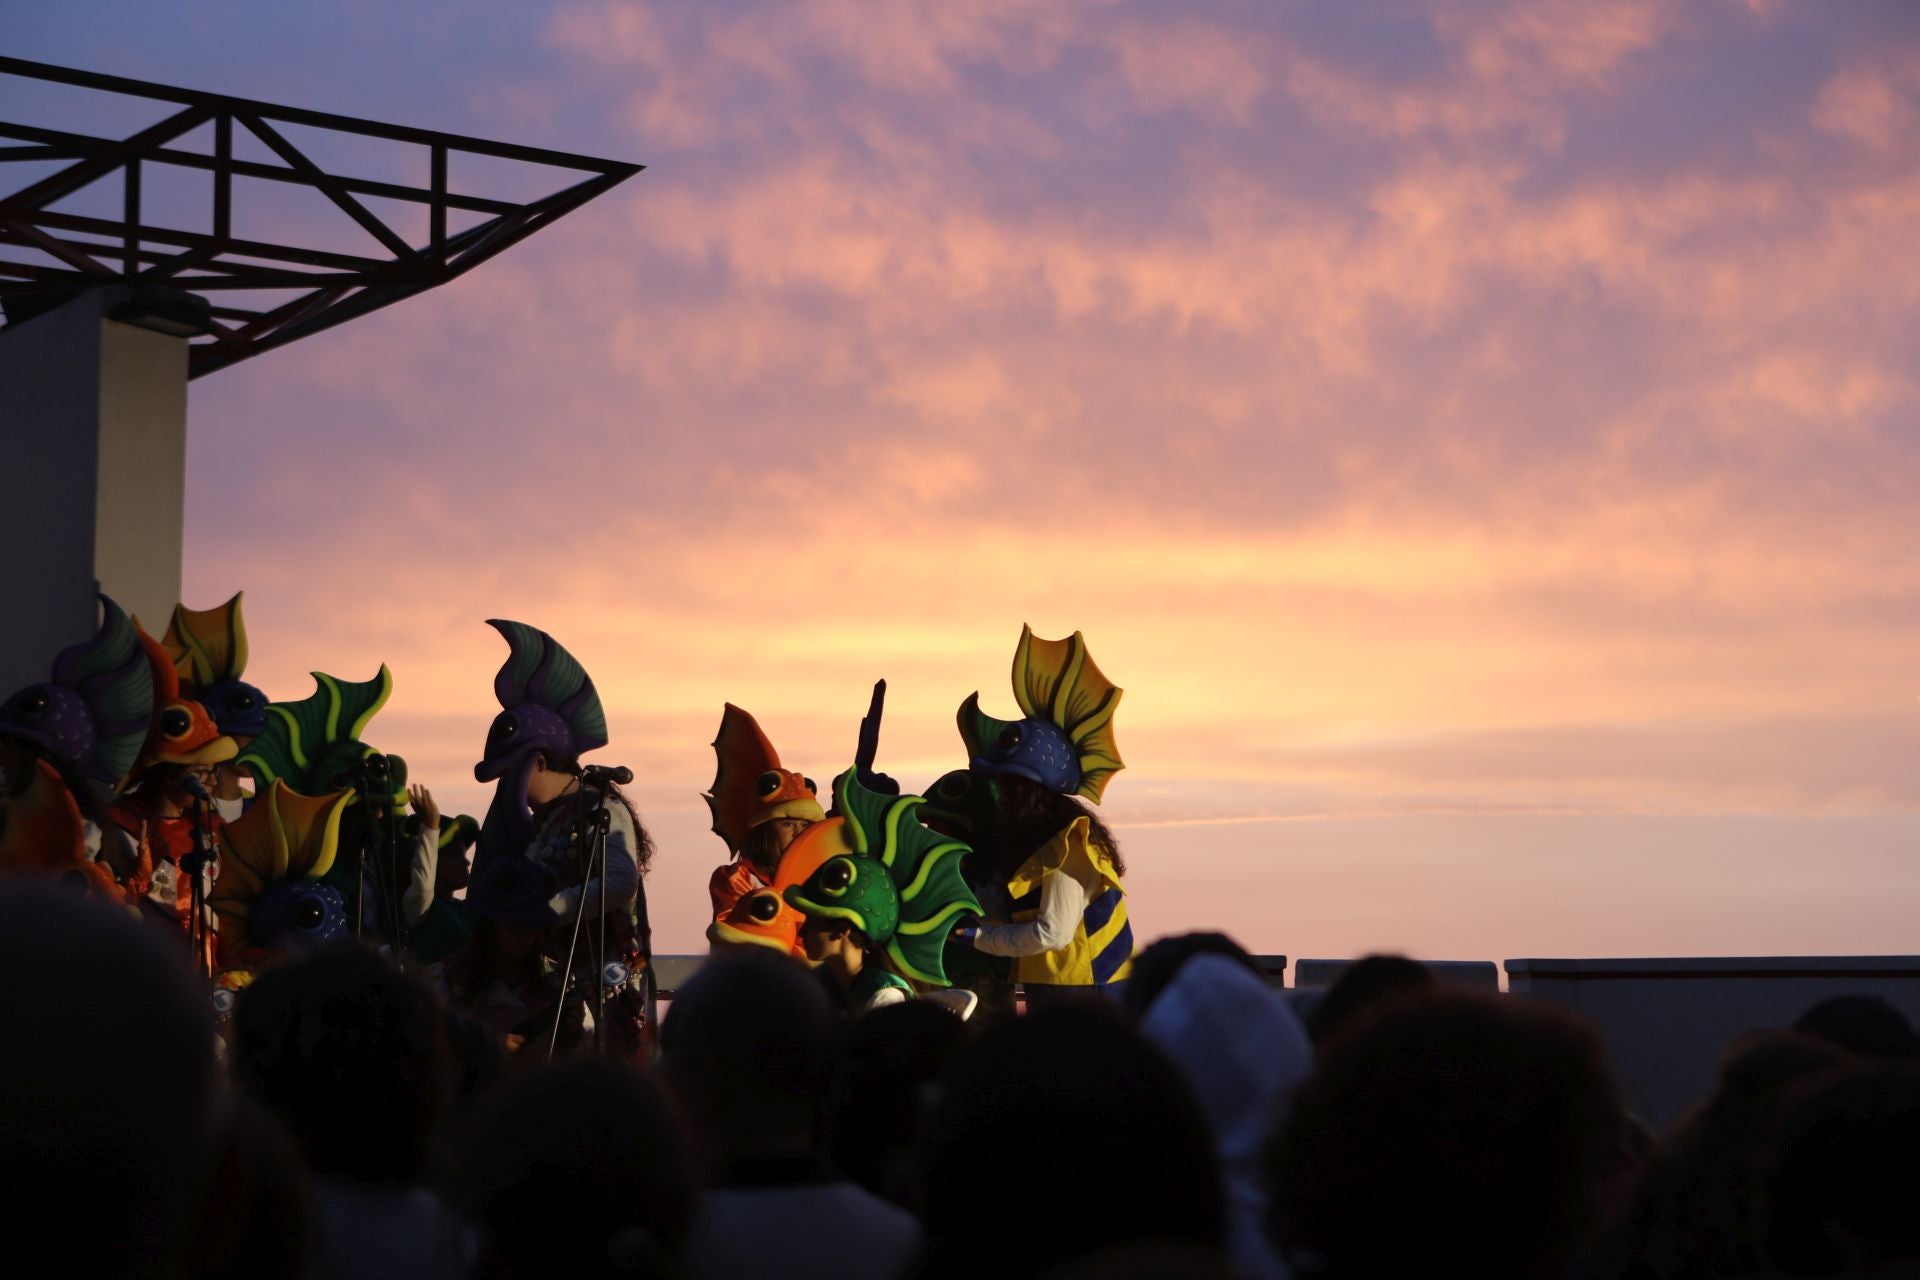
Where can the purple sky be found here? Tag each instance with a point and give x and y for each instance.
(1481, 437)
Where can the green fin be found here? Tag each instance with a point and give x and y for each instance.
(310, 742)
(978, 729)
(924, 867)
(1057, 680)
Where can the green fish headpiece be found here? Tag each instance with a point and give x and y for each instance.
(313, 745)
(901, 885)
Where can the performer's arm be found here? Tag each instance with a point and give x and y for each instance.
(1062, 902)
(426, 857)
(885, 996)
(623, 876)
(421, 874)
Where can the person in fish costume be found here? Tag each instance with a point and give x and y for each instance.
(165, 818)
(387, 865)
(758, 808)
(208, 648)
(504, 979)
(66, 746)
(550, 716)
(763, 918)
(273, 896)
(1062, 869)
(883, 898)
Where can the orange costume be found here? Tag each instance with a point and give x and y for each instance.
(749, 789)
(44, 833)
(182, 734)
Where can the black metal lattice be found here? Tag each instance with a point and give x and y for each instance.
(310, 288)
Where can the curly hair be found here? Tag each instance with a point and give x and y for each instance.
(1028, 815)
(642, 840)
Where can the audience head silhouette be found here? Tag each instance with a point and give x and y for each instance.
(1070, 1134)
(1451, 1130)
(580, 1169)
(106, 1087)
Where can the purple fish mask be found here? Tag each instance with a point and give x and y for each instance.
(94, 713)
(548, 703)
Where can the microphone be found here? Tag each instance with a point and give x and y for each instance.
(602, 774)
(195, 788)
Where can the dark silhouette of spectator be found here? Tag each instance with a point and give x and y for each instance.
(479, 1064)
(1155, 967)
(1455, 1133)
(750, 1046)
(894, 1058)
(257, 1215)
(1060, 1135)
(1241, 1047)
(1149, 1262)
(1691, 1214)
(1866, 1025)
(580, 1169)
(1842, 1190)
(1363, 984)
(106, 1089)
(351, 1054)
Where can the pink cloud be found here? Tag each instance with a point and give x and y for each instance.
(1418, 462)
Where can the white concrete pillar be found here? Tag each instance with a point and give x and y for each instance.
(93, 463)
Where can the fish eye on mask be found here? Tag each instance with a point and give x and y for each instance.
(837, 876)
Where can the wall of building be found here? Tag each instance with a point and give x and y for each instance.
(1667, 1022)
(93, 430)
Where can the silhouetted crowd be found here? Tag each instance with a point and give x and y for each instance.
(350, 1125)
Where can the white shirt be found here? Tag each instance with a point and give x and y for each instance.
(1063, 901)
(622, 874)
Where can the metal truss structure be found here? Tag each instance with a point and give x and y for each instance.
(245, 296)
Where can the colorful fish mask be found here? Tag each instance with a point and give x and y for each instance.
(749, 786)
(898, 882)
(95, 712)
(1065, 743)
(182, 732)
(270, 892)
(209, 651)
(314, 745)
(548, 704)
(763, 918)
(42, 833)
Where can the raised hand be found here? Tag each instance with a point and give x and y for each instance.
(423, 805)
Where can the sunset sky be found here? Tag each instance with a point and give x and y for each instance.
(1482, 438)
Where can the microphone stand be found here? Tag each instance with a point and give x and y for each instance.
(591, 823)
(360, 864)
(388, 870)
(194, 864)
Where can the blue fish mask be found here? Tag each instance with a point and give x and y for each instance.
(1065, 741)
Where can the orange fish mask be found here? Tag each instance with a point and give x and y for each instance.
(749, 786)
(763, 918)
(45, 834)
(182, 731)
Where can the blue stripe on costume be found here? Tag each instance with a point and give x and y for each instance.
(1112, 956)
(1101, 910)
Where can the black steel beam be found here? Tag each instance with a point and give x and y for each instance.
(328, 288)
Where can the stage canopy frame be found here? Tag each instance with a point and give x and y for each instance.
(207, 283)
